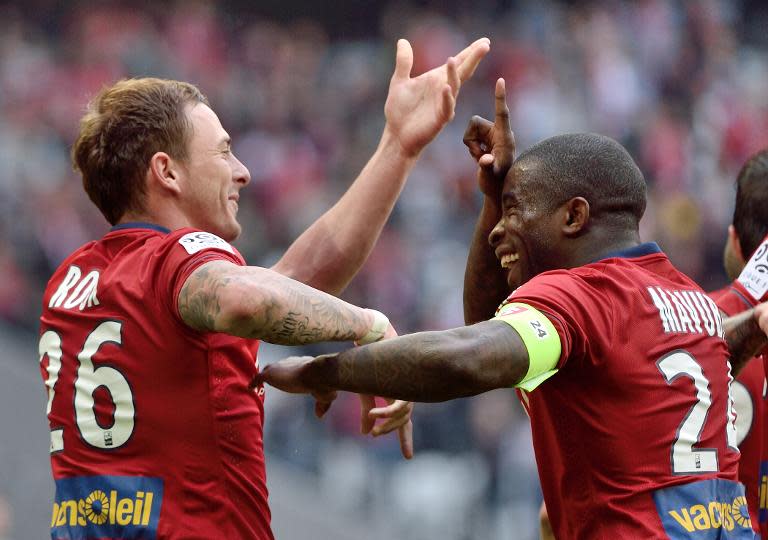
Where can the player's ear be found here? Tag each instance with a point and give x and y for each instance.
(575, 215)
(733, 240)
(164, 172)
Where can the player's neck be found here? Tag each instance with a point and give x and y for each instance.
(169, 220)
(597, 243)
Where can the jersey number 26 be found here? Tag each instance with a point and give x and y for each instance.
(87, 380)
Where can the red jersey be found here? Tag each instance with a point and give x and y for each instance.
(635, 436)
(154, 433)
(751, 287)
(750, 422)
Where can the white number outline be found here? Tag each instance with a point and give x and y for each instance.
(88, 379)
(746, 414)
(53, 351)
(684, 458)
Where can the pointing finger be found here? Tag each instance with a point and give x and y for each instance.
(502, 110)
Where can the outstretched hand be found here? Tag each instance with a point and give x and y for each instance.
(492, 144)
(288, 375)
(418, 108)
(396, 415)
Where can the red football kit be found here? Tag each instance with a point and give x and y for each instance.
(750, 422)
(154, 432)
(750, 288)
(634, 436)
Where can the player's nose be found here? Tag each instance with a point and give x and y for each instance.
(241, 174)
(496, 234)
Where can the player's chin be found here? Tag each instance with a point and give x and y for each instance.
(516, 277)
(230, 230)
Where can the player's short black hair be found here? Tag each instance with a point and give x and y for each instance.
(592, 166)
(750, 215)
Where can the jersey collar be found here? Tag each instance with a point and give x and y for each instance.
(139, 225)
(648, 248)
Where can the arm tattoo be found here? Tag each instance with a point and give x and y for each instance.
(744, 338)
(258, 303)
(297, 314)
(429, 366)
(199, 300)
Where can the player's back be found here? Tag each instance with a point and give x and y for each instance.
(635, 436)
(154, 433)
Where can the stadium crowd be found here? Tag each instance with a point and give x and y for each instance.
(679, 84)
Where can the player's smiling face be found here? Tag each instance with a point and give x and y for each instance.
(526, 237)
(214, 176)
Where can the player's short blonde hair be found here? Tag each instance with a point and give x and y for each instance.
(124, 126)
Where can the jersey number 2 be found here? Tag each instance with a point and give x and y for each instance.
(685, 458)
(87, 380)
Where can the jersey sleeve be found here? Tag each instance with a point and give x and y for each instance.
(181, 253)
(732, 300)
(752, 283)
(574, 305)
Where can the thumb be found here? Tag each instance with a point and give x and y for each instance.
(258, 379)
(403, 60)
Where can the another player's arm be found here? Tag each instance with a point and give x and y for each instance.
(430, 366)
(493, 146)
(253, 302)
(545, 525)
(745, 334)
(485, 284)
(331, 251)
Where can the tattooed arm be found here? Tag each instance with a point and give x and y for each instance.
(745, 334)
(254, 302)
(428, 366)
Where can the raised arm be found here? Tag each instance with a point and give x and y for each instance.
(745, 334)
(493, 146)
(428, 366)
(258, 303)
(331, 251)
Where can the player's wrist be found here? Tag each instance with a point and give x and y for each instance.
(377, 329)
(320, 373)
(392, 143)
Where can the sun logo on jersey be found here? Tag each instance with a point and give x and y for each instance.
(741, 512)
(97, 507)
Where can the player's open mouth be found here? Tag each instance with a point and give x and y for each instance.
(508, 259)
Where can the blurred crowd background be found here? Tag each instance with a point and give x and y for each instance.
(301, 87)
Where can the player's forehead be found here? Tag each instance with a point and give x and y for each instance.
(522, 179)
(206, 126)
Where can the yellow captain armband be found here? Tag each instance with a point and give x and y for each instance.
(540, 339)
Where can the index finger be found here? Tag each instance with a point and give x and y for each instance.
(463, 55)
(468, 59)
(502, 109)
(405, 434)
